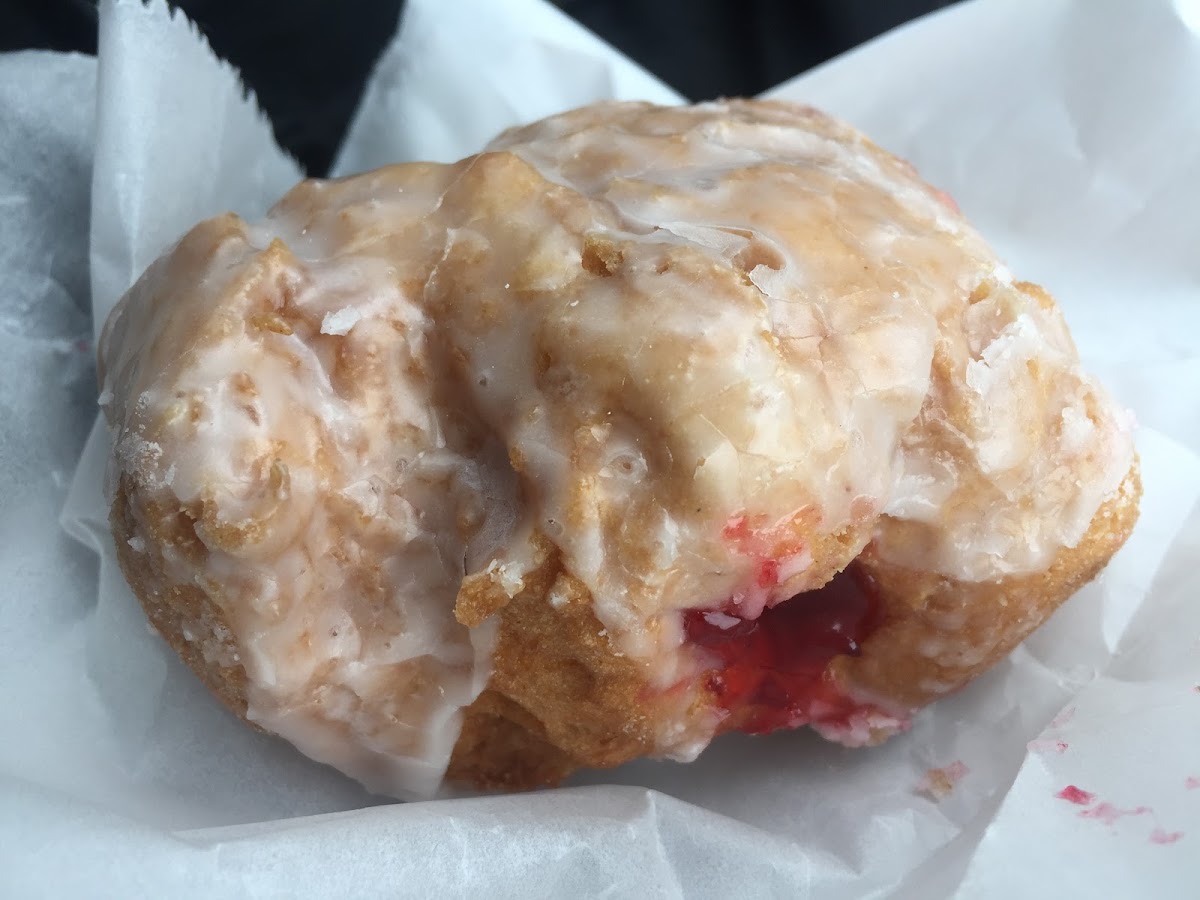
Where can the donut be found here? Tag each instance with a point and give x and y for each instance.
(643, 425)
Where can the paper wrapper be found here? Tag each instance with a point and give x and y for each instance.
(1069, 132)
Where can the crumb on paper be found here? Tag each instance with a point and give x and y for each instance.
(1040, 744)
(1108, 814)
(1075, 795)
(1191, 782)
(1160, 836)
(939, 783)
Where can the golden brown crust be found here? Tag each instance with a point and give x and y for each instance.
(177, 611)
(323, 421)
(939, 634)
(559, 699)
(504, 747)
(556, 677)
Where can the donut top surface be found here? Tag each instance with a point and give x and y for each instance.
(707, 352)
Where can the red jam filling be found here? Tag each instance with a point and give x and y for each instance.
(771, 672)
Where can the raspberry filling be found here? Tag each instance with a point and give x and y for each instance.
(770, 672)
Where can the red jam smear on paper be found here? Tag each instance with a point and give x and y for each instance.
(1075, 795)
(771, 672)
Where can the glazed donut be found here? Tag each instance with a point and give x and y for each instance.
(642, 425)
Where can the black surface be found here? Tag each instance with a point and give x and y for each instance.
(48, 25)
(714, 48)
(308, 59)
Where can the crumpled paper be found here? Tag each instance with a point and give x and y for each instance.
(1068, 131)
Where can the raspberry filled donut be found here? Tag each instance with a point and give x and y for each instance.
(643, 425)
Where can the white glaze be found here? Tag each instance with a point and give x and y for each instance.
(336, 395)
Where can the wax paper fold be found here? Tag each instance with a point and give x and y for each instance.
(1068, 131)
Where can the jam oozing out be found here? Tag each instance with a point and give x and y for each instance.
(770, 672)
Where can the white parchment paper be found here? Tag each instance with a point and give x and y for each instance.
(1068, 131)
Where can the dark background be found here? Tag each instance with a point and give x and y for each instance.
(307, 59)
